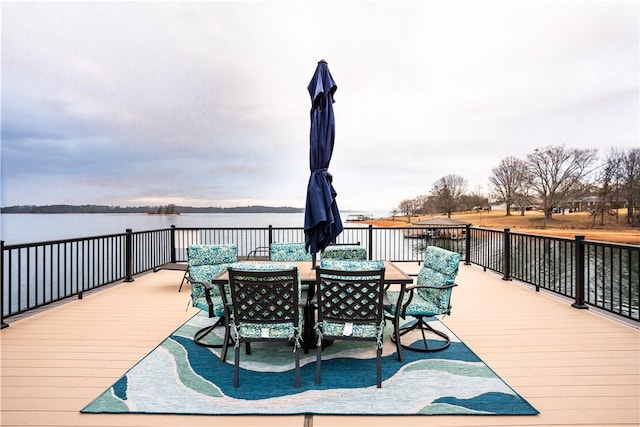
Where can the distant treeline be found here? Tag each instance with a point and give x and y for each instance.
(60, 209)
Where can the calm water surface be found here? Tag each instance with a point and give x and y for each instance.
(28, 228)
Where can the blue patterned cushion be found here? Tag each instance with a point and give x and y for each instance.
(278, 330)
(440, 268)
(198, 299)
(354, 252)
(205, 263)
(360, 330)
(281, 330)
(198, 255)
(442, 261)
(351, 265)
(289, 252)
(421, 307)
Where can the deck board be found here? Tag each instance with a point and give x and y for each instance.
(578, 367)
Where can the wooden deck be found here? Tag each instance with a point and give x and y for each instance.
(577, 367)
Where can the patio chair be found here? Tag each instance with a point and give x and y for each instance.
(349, 300)
(429, 297)
(266, 305)
(204, 263)
(289, 252)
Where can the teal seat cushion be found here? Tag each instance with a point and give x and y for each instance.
(439, 269)
(285, 330)
(289, 252)
(351, 265)
(198, 255)
(206, 262)
(280, 330)
(199, 300)
(360, 330)
(204, 274)
(420, 306)
(351, 252)
(442, 261)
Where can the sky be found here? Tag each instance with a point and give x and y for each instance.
(206, 103)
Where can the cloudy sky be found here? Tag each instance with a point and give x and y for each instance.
(205, 103)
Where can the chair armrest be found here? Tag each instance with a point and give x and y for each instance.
(207, 286)
(171, 266)
(409, 290)
(412, 287)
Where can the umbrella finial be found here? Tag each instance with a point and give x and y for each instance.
(322, 60)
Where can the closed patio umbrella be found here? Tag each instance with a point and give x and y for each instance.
(322, 223)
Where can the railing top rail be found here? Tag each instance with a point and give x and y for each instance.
(62, 241)
(612, 244)
(541, 236)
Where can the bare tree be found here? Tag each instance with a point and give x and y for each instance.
(523, 200)
(608, 180)
(631, 184)
(557, 172)
(447, 191)
(509, 180)
(406, 207)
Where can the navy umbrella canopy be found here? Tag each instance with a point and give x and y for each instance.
(322, 223)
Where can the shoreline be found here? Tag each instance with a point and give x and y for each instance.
(561, 228)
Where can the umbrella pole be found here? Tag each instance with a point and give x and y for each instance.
(313, 261)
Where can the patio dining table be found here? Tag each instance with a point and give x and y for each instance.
(393, 275)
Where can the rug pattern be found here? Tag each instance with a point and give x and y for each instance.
(179, 377)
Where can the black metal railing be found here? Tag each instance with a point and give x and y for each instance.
(38, 274)
(597, 274)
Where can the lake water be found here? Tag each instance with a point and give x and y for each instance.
(28, 228)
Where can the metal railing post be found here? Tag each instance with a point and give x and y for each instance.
(173, 243)
(467, 245)
(129, 255)
(506, 255)
(370, 245)
(2, 322)
(579, 284)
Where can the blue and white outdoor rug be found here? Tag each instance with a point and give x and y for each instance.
(179, 377)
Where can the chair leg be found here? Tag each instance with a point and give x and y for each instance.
(396, 333)
(296, 350)
(424, 328)
(309, 319)
(225, 344)
(379, 367)
(199, 335)
(184, 278)
(318, 362)
(236, 368)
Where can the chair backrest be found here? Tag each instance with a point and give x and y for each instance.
(443, 262)
(350, 264)
(289, 252)
(346, 293)
(355, 252)
(206, 262)
(440, 268)
(264, 293)
(199, 255)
